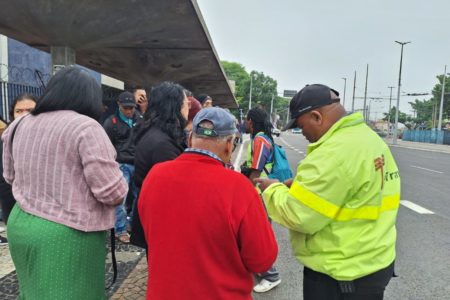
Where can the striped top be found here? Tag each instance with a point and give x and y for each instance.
(63, 169)
(262, 151)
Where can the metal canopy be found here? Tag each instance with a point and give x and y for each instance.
(137, 41)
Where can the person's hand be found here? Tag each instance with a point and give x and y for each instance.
(263, 183)
(142, 102)
(288, 182)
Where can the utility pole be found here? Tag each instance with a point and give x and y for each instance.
(354, 87)
(271, 105)
(394, 139)
(389, 112)
(365, 93)
(345, 86)
(442, 100)
(250, 98)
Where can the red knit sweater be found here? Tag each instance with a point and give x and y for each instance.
(206, 229)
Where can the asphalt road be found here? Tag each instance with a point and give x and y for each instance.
(423, 245)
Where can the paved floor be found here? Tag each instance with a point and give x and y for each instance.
(131, 283)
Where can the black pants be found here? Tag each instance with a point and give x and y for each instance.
(318, 286)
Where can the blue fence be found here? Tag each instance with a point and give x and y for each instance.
(9, 91)
(427, 136)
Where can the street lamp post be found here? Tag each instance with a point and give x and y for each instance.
(442, 100)
(389, 112)
(354, 88)
(250, 98)
(345, 86)
(394, 139)
(365, 93)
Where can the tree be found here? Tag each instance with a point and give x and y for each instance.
(402, 117)
(427, 111)
(263, 88)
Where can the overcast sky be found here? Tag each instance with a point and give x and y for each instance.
(298, 42)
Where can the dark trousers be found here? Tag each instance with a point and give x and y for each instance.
(318, 286)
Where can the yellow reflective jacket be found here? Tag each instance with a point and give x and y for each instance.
(342, 205)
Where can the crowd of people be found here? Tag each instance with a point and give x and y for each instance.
(157, 170)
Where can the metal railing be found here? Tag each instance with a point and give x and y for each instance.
(9, 91)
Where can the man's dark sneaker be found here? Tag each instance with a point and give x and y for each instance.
(3, 240)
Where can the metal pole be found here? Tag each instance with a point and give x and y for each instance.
(365, 91)
(394, 139)
(271, 106)
(354, 87)
(389, 112)
(250, 98)
(345, 86)
(442, 100)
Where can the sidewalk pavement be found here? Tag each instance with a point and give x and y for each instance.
(131, 282)
(419, 146)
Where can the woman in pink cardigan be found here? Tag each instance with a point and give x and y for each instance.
(64, 177)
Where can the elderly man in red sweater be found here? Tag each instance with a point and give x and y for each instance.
(205, 225)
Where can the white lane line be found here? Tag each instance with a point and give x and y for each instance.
(417, 208)
(237, 162)
(421, 168)
(286, 143)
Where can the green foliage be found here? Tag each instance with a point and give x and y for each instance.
(402, 117)
(427, 111)
(263, 89)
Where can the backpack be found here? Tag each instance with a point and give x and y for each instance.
(280, 168)
(280, 165)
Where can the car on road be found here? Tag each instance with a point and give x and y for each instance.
(296, 130)
(276, 131)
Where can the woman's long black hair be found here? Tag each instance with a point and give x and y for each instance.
(261, 122)
(72, 88)
(164, 111)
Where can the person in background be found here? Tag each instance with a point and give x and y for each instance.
(160, 137)
(205, 100)
(213, 235)
(62, 168)
(22, 105)
(194, 108)
(341, 207)
(140, 96)
(120, 129)
(259, 154)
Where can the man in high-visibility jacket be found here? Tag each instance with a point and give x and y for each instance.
(342, 204)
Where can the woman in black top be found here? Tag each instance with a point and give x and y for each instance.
(22, 105)
(160, 137)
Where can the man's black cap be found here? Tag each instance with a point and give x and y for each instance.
(127, 99)
(308, 98)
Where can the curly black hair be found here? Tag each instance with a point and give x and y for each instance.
(164, 111)
(261, 122)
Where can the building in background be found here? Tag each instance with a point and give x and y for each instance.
(27, 69)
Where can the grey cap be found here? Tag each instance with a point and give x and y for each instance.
(223, 122)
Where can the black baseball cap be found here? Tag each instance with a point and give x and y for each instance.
(127, 99)
(309, 98)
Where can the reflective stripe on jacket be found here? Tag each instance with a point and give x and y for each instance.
(342, 205)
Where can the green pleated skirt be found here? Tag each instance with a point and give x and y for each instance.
(54, 261)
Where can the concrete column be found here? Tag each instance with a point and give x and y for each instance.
(4, 77)
(3, 58)
(61, 57)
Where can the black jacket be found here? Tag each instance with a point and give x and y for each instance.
(154, 147)
(122, 136)
(7, 200)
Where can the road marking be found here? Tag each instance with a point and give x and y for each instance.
(417, 208)
(287, 144)
(417, 167)
(236, 164)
